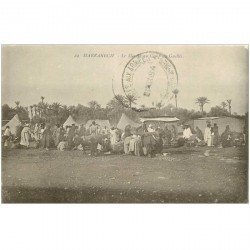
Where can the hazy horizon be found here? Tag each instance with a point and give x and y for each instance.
(71, 74)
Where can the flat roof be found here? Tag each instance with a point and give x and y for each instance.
(208, 118)
(215, 117)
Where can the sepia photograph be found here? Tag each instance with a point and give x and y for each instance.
(124, 123)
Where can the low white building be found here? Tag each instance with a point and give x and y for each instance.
(235, 124)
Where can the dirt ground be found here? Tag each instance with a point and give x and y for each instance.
(183, 175)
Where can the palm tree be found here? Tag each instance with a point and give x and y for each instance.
(17, 104)
(175, 92)
(202, 100)
(40, 109)
(223, 105)
(45, 107)
(55, 107)
(94, 105)
(31, 111)
(159, 105)
(42, 98)
(35, 108)
(72, 109)
(131, 98)
(229, 101)
(65, 108)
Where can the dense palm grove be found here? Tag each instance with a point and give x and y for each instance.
(57, 113)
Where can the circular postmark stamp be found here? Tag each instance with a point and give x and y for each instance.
(149, 79)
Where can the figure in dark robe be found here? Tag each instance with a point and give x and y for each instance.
(77, 140)
(174, 132)
(151, 144)
(144, 127)
(199, 133)
(216, 135)
(46, 137)
(127, 137)
(167, 136)
(71, 135)
(18, 133)
(226, 139)
(58, 135)
(82, 131)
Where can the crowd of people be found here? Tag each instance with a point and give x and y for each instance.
(145, 140)
(212, 138)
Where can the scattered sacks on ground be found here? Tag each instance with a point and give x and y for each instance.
(228, 160)
(167, 158)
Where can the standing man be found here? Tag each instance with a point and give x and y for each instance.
(208, 135)
(127, 137)
(113, 137)
(57, 135)
(46, 137)
(71, 135)
(174, 132)
(25, 136)
(168, 136)
(216, 135)
(187, 132)
(226, 138)
(82, 130)
(199, 133)
(6, 136)
(93, 128)
(36, 132)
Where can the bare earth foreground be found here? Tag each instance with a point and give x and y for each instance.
(184, 175)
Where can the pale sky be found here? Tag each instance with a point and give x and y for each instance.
(53, 71)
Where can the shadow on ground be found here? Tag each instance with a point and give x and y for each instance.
(99, 195)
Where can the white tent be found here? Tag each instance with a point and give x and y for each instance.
(124, 121)
(101, 123)
(13, 124)
(69, 122)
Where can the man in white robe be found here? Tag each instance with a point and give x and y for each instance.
(63, 145)
(187, 132)
(151, 128)
(36, 132)
(7, 136)
(114, 138)
(208, 135)
(25, 136)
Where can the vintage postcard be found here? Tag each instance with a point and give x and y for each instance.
(125, 123)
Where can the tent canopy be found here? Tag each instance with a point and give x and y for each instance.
(69, 122)
(101, 123)
(160, 119)
(13, 124)
(124, 121)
